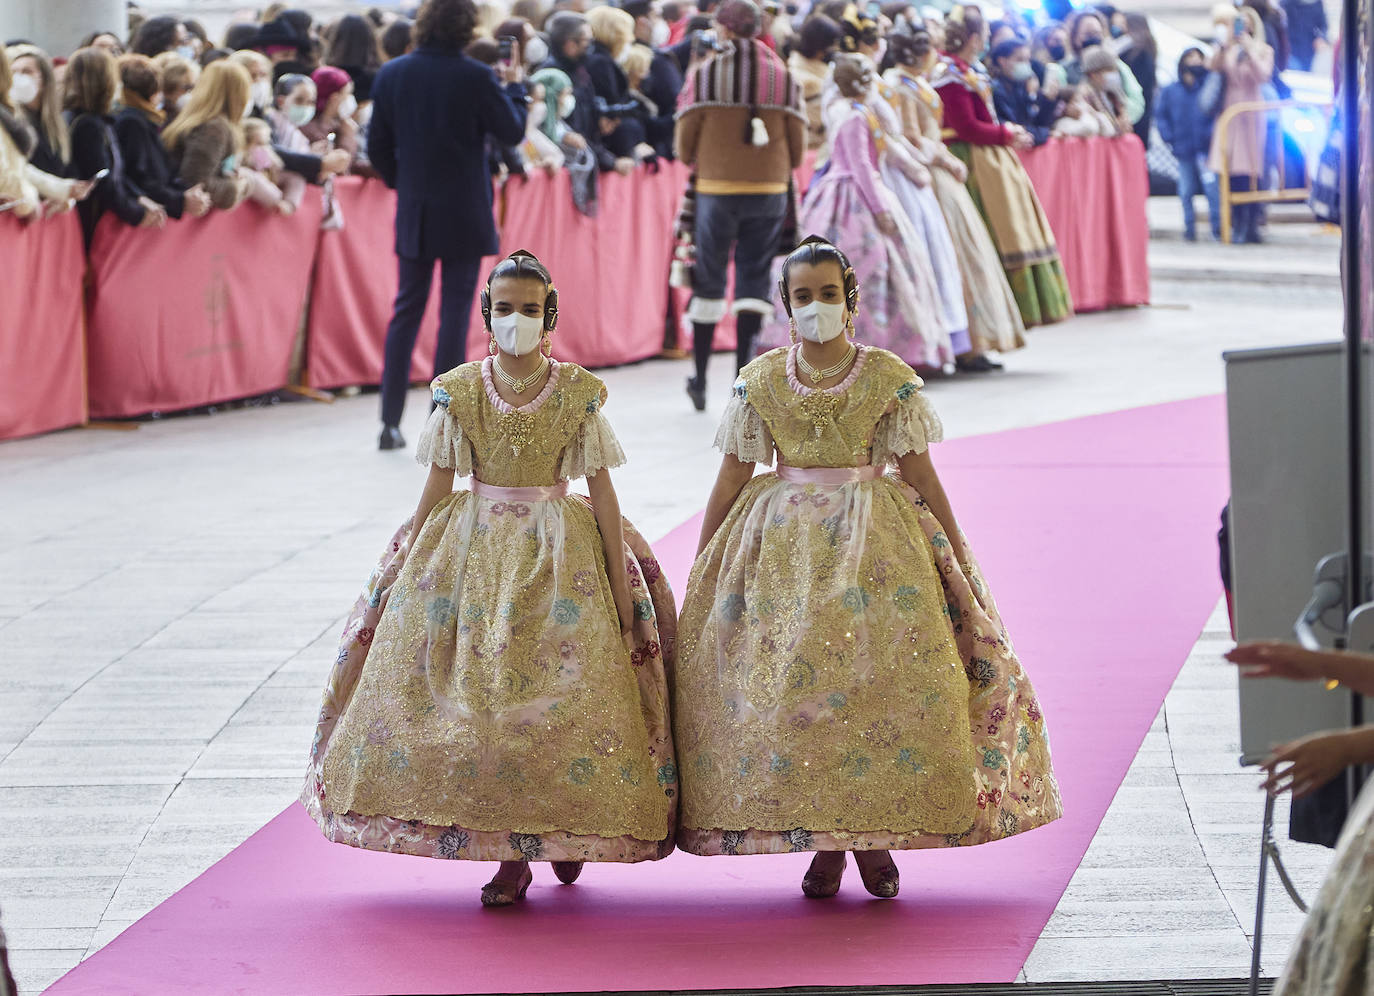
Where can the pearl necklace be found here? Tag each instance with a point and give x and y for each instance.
(819, 375)
(522, 384)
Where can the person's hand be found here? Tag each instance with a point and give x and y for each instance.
(81, 189)
(284, 208)
(1275, 659)
(644, 151)
(320, 147)
(154, 216)
(920, 176)
(1305, 765)
(624, 166)
(575, 141)
(886, 223)
(51, 209)
(956, 168)
(1032, 85)
(1051, 87)
(1020, 138)
(197, 202)
(607, 125)
(510, 72)
(335, 162)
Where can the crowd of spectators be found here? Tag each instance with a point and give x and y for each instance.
(163, 121)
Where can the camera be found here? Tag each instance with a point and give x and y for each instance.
(507, 46)
(704, 43)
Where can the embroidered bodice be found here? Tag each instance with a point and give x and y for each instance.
(559, 436)
(876, 414)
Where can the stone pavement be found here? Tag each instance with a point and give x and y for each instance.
(170, 599)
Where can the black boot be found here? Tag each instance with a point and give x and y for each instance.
(747, 325)
(703, 333)
(391, 439)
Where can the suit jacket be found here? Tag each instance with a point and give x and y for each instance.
(146, 162)
(432, 113)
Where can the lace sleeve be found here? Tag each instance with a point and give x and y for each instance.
(910, 426)
(442, 443)
(742, 431)
(593, 448)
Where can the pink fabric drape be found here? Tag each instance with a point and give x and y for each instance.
(41, 351)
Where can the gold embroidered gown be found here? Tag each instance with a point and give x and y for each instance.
(484, 704)
(842, 683)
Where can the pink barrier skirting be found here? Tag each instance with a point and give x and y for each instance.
(41, 363)
(205, 310)
(1094, 192)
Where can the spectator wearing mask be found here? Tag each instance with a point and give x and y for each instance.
(396, 38)
(570, 39)
(1088, 28)
(92, 79)
(353, 47)
(164, 34)
(663, 82)
(205, 141)
(36, 94)
(1275, 35)
(1136, 47)
(540, 149)
(433, 112)
(178, 79)
(620, 120)
(1188, 132)
(1050, 47)
(1308, 33)
(742, 129)
(335, 106)
(280, 42)
(809, 65)
(293, 107)
(1101, 88)
(23, 187)
(1247, 62)
(137, 127)
(259, 69)
(1016, 92)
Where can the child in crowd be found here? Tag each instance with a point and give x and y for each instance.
(267, 178)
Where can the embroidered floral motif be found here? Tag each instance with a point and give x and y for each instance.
(451, 842)
(442, 397)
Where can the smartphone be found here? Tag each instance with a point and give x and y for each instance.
(507, 45)
(1238, 27)
(100, 175)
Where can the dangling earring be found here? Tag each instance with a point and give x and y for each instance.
(491, 344)
(548, 346)
(793, 323)
(849, 326)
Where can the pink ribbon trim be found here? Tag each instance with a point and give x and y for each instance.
(483, 490)
(829, 475)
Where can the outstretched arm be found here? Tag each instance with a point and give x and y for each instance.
(919, 472)
(437, 485)
(606, 507)
(1274, 659)
(734, 475)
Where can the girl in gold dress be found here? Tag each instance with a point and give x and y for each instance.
(845, 682)
(500, 690)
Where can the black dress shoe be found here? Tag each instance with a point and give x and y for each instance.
(391, 439)
(979, 364)
(697, 392)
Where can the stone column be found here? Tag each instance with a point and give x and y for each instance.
(58, 26)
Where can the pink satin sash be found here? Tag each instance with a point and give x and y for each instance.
(484, 490)
(829, 475)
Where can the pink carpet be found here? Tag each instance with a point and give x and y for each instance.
(1097, 536)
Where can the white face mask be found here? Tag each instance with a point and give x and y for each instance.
(517, 334)
(818, 321)
(262, 94)
(536, 51)
(183, 100)
(566, 105)
(660, 34)
(23, 89)
(300, 115)
(188, 52)
(348, 106)
(539, 112)
(1111, 80)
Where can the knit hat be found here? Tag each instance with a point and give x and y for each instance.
(1096, 59)
(328, 81)
(740, 16)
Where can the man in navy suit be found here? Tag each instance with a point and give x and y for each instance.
(433, 111)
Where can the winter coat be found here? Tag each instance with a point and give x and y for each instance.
(1181, 121)
(146, 162)
(207, 155)
(1246, 75)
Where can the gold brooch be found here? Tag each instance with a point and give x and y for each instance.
(820, 408)
(519, 426)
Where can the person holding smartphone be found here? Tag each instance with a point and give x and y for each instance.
(1247, 63)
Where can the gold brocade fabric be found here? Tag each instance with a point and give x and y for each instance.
(842, 683)
(498, 695)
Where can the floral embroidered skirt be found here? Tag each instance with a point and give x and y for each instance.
(843, 685)
(484, 704)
